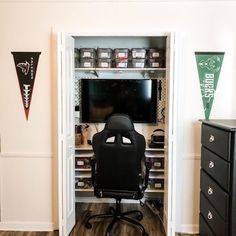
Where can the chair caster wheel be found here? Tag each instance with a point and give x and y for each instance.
(108, 233)
(111, 211)
(145, 234)
(139, 217)
(88, 225)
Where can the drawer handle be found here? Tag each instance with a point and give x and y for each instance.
(210, 191)
(211, 164)
(212, 138)
(209, 215)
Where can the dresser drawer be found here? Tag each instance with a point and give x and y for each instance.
(218, 198)
(212, 218)
(216, 140)
(204, 228)
(216, 167)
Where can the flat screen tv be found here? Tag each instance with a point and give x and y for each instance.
(135, 97)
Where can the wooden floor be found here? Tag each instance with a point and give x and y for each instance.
(152, 224)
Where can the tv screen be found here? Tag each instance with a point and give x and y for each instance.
(102, 97)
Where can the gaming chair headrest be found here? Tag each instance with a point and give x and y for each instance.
(121, 122)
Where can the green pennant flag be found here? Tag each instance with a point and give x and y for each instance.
(209, 66)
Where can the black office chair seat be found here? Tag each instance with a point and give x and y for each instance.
(119, 170)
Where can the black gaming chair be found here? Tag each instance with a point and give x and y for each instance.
(119, 169)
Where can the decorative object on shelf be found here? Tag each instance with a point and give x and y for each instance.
(78, 135)
(157, 139)
(26, 66)
(209, 65)
(85, 134)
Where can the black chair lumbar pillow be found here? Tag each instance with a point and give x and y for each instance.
(119, 169)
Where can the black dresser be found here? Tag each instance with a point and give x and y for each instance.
(218, 178)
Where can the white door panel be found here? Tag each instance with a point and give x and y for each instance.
(66, 135)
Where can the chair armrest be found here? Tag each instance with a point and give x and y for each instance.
(93, 164)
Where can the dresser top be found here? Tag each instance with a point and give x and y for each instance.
(223, 124)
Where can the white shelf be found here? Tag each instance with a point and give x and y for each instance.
(83, 169)
(83, 175)
(83, 148)
(154, 155)
(155, 149)
(120, 73)
(84, 190)
(158, 176)
(84, 155)
(154, 191)
(120, 69)
(156, 170)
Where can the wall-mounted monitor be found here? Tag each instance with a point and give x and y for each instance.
(135, 97)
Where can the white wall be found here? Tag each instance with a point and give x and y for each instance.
(27, 156)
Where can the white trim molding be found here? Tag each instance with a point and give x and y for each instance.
(188, 229)
(25, 155)
(27, 226)
(109, 1)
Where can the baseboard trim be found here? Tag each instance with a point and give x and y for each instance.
(187, 228)
(26, 226)
(25, 155)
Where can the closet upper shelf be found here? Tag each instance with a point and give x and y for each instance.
(120, 72)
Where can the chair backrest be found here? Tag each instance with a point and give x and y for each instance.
(118, 151)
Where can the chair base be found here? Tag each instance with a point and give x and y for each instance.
(117, 215)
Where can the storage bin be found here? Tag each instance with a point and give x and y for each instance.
(87, 63)
(121, 63)
(138, 53)
(155, 53)
(156, 184)
(82, 162)
(137, 63)
(105, 53)
(154, 63)
(156, 163)
(104, 63)
(121, 53)
(88, 53)
(83, 183)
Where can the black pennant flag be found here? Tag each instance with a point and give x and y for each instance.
(26, 66)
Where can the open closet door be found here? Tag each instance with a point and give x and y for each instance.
(66, 142)
(169, 147)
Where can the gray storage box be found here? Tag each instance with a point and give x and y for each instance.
(155, 53)
(87, 53)
(104, 63)
(137, 63)
(105, 53)
(121, 63)
(138, 53)
(155, 63)
(121, 53)
(87, 63)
